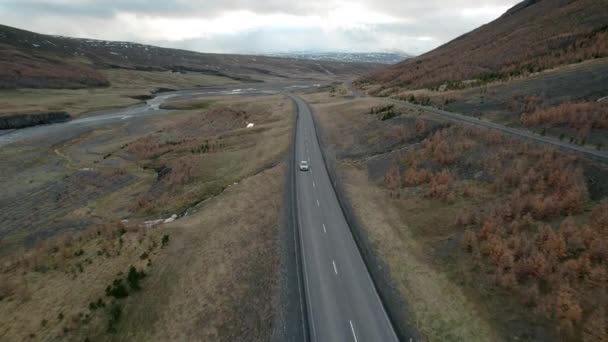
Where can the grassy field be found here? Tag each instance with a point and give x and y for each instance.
(479, 237)
(75, 222)
(123, 85)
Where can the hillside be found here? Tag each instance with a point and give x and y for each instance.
(29, 59)
(532, 36)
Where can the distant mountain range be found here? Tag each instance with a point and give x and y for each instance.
(29, 59)
(360, 57)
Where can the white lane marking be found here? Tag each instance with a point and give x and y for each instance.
(353, 330)
(313, 184)
(324, 229)
(335, 269)
(318, 204)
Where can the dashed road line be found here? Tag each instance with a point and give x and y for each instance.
(352, 328)
(324, 229)
(335, 268)
(318, 204)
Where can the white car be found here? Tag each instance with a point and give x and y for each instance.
(304, 166)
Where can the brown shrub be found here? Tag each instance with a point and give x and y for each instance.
(400, 133)
(420, 126)
(183, 169)
(506, 280)
(440, 185)
(599, 217)
(566, 309)
(582, 116)
(392, 179)
(596, 327)
(414, 176)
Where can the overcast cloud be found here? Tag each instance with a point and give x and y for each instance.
(249, 26)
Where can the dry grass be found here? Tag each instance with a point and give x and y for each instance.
(47, 290)
(218, 280)
(224, 254)
(205, 150)
(123, 85)
(534, 36)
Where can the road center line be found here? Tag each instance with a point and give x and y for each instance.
(324, 230)
(335, 269)
(318, 204)
(353, 330)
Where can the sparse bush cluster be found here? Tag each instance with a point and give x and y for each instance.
(388, 112)
(543, 183)
(65, 252)
(582, 116)
(381, 109)
(419, 100)
(176, 152)
(207, 147)
(430, 163)
(559, 270)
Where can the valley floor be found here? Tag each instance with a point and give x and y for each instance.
(157, 228)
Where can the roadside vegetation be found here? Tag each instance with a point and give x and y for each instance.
(110, 230)
(583, 117)
(566, 103)
(56, 289)
(471, 221)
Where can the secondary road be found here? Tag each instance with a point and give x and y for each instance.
(468, 120)
(342, 302)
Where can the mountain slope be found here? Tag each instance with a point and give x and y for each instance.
(29, 59)
(532, 36)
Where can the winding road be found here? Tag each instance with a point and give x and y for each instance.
(342, 302)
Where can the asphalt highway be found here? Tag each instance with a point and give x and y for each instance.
(342, 302)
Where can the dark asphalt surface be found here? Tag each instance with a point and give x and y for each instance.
(342, 302)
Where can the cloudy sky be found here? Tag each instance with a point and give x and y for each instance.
(259, 26)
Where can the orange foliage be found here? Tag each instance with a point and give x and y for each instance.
(440, 185)
(392, 181)
(414, 176)
(582, 116)
(535, 36)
